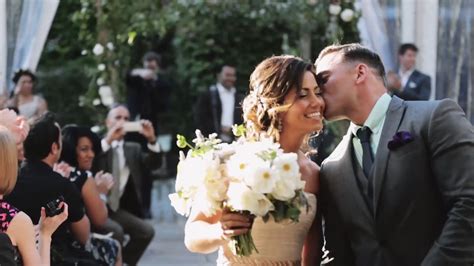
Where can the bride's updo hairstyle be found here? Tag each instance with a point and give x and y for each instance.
(270, 82)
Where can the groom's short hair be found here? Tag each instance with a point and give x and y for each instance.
(354, 52)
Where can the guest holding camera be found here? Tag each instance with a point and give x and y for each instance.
(129, 165)
(38, 185)
(16, 224)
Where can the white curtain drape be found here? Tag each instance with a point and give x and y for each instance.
(22, 35)
(379, 29)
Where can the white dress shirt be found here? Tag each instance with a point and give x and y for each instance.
(227, 97)
(405, 76)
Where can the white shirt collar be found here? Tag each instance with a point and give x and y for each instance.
(223, 90)
(117, 144)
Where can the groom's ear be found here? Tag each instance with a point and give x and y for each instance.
(362, 70)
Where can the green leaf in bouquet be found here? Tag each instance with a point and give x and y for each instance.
(239, 130)
(268, 155)
(280, 211)
(180, 141)
(293, 213)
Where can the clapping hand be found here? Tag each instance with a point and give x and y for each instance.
(16, 124)
(63, 169)
(148, 131)
(48, 225)
(104, 182)
(234, 223)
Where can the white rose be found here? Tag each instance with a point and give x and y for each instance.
(107, 100)
(205, 204)
(101, 67)
(261, 177)
(105, 91)
(100, 81)
(96, 102)
(334, 9)
(347, 15)
(98, 49)
(242, 198)
(110, 46)
(216, 188)
(84, 52)
(181, 205)
(95, 129)
(284, 190)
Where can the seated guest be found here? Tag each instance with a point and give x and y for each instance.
(80, 145)
(7, 251)
(128, 164)
(16, 224)
(38, 185)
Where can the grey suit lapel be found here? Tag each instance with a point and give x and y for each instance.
(394, 116)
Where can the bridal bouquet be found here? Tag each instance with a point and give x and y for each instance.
(249, 175)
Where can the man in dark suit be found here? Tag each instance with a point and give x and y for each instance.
(412, 85)
(148, 92)
(399, 188)
(218, 108)
(128, 164)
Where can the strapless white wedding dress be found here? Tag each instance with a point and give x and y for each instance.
(277, 243)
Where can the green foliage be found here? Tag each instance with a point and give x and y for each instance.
(194, 36)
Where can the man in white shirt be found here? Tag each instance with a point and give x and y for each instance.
(412, 84)
(218, 108)
(129, 164)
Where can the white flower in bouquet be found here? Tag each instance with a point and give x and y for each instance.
(101, 67)
(205, 203)
(98, 49)
(242, 198)
(181, 205)
(347, 15)
(284, 190)
(238, 165)
(261, 177)
(286, 164)
(334, 9)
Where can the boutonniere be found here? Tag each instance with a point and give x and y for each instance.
(399, 139)
(412, 85)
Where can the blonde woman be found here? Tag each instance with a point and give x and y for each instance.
(16, 224)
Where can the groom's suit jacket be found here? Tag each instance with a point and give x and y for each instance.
(423, 203)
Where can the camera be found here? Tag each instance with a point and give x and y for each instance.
(52, 207)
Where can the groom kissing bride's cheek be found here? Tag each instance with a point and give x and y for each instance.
(399, 187)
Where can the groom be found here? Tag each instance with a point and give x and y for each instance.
(399, 188)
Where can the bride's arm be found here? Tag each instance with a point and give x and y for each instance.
(205, 234)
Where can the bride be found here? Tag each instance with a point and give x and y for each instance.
(285, 103)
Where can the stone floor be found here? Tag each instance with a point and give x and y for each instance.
(167, 247)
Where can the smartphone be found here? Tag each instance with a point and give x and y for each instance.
(134, 126)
